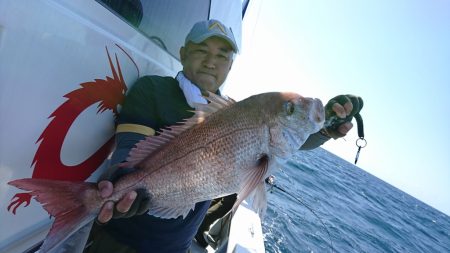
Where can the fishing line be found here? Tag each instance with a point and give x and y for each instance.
(270, 181)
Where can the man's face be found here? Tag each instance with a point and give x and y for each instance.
(207, 64)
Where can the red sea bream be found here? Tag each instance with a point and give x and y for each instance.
(226, 147)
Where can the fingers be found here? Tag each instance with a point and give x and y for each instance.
(343, 111)
(345, 128)
(125, 203)
(105, 188)
(139, 206)
(106, 212)
(109, 210)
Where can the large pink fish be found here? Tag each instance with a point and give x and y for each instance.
(225, 148)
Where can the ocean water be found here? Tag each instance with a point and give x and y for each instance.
(361, 213)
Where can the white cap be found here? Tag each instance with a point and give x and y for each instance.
(205, 29)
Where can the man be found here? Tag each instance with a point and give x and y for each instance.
(156, 102)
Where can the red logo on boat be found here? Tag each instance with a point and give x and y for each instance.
(109, 93)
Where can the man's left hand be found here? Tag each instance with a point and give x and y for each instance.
(339, 112)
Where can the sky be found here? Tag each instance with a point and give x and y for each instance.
(394, 54)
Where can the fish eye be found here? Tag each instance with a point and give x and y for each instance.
(290, 107)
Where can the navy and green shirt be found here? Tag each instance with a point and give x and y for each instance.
(152, 103)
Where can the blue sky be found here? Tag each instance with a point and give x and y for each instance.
(394, 54)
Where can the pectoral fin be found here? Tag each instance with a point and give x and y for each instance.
(254, 179)
(260, 199)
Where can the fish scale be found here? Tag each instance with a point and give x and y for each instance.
(216, 164)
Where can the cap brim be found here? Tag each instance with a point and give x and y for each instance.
(213, 34)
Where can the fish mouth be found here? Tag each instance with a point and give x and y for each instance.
(317, 113)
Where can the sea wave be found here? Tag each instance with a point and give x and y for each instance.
(352, 211)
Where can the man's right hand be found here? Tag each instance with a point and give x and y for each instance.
(123, 208)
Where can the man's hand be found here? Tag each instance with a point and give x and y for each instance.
(339, 112)
(132, 203)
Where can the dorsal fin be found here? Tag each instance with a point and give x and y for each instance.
(216, 103)
(151, 143)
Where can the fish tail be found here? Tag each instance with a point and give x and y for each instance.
(65, 201)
